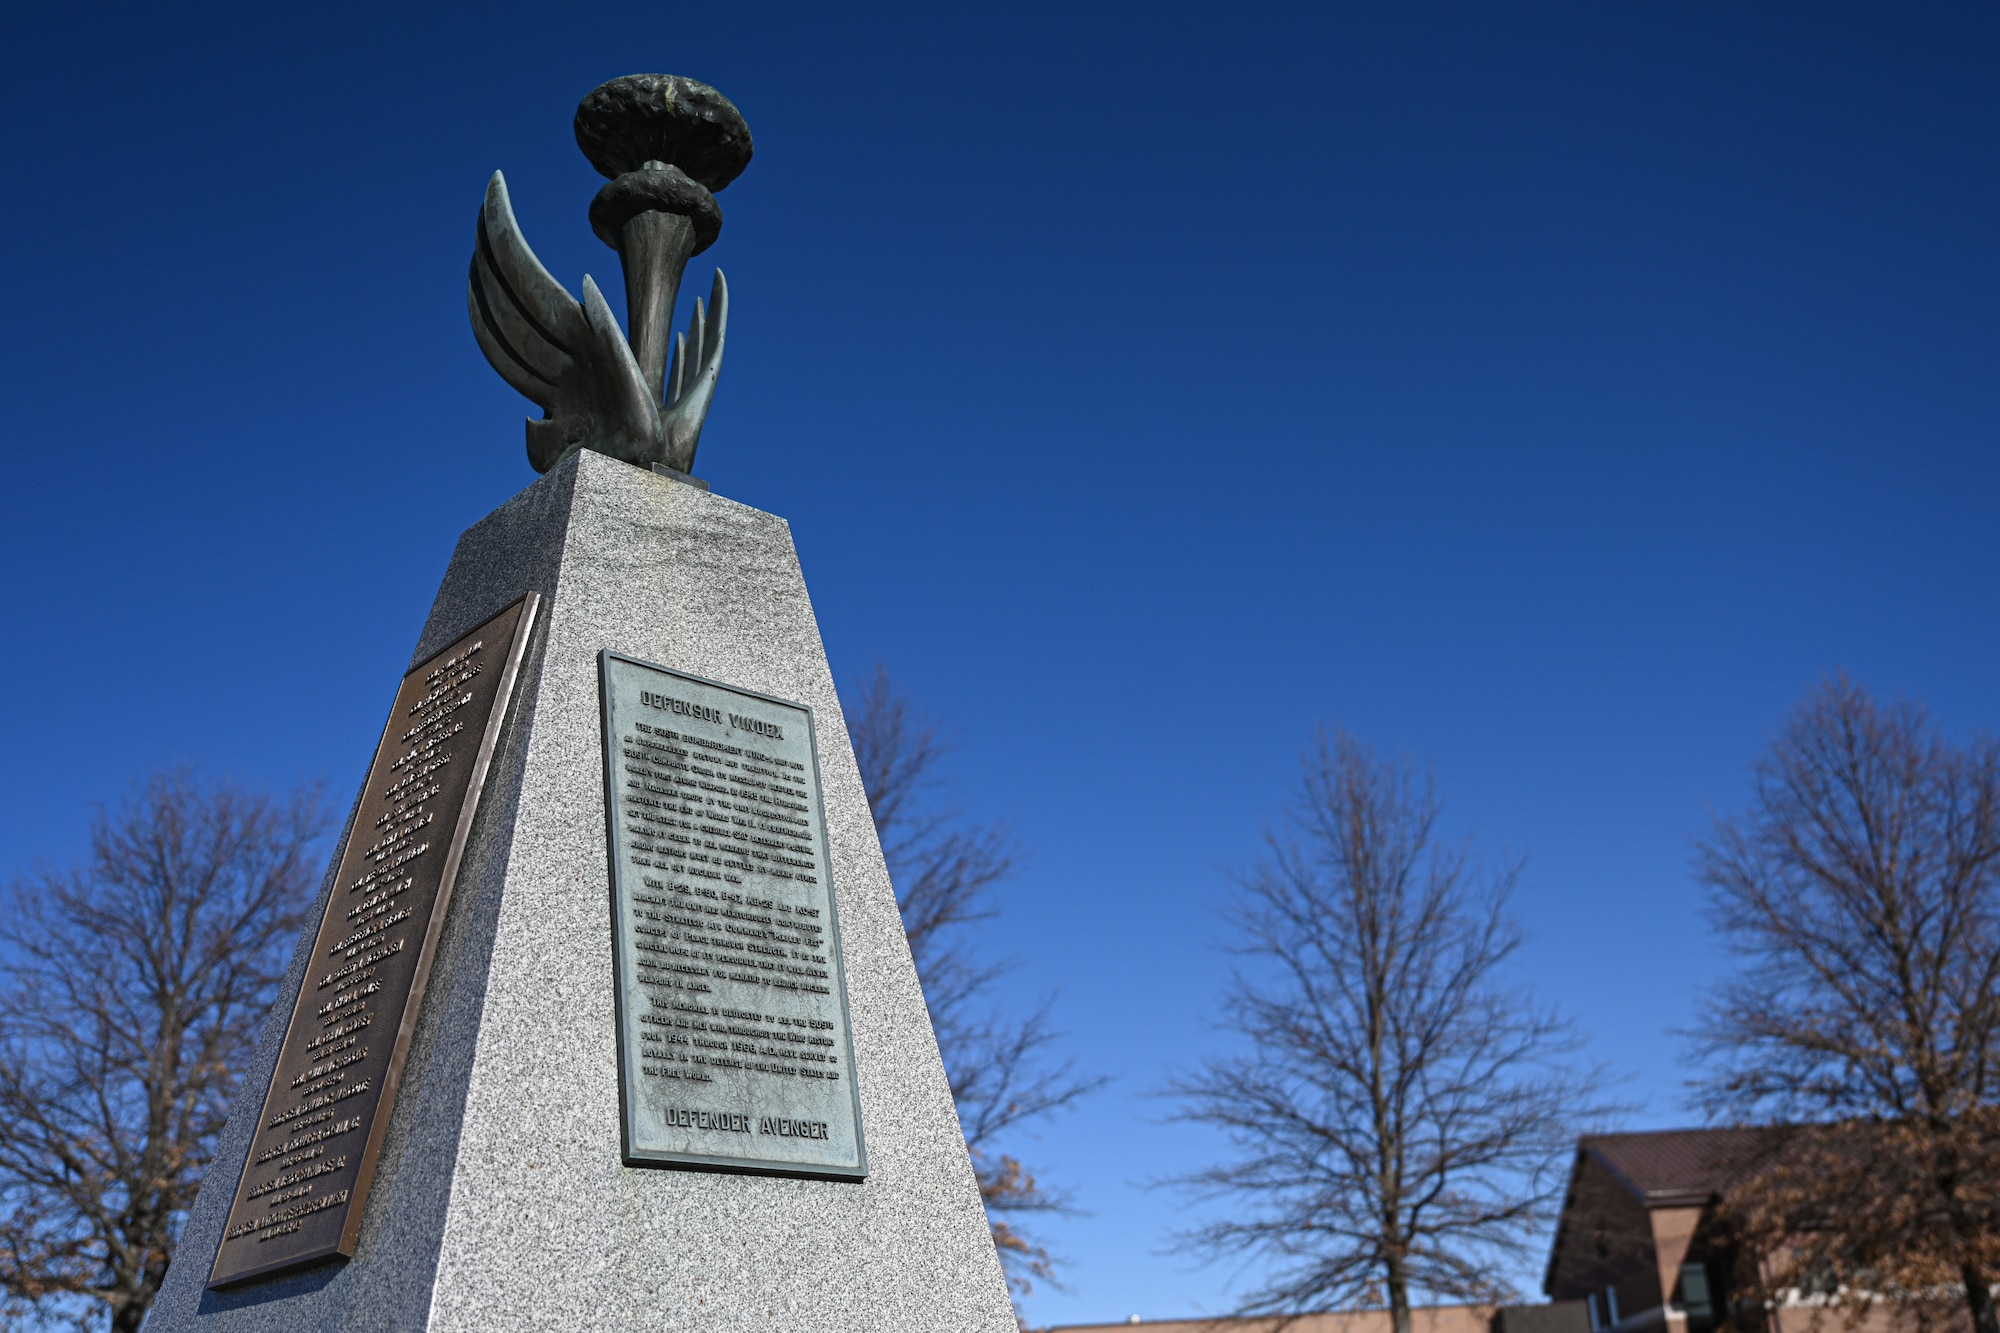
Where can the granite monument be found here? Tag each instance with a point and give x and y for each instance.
(607, 1019)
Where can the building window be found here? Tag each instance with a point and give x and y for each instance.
(1819, 1279)
(1695, 1295)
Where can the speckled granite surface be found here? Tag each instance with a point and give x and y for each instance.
(500, 1202)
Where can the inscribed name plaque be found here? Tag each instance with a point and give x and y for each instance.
(733, 1044)
(312, 1154)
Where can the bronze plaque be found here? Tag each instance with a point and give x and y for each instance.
(312, 1155)
(733, 1042)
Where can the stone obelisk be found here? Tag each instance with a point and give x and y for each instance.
(551, 1158)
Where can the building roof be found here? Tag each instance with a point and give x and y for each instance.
(1693, 1168)
(1674, 1167)
(1680, 1167)
(1670, 1168)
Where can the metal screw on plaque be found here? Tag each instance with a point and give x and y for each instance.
(667, 143)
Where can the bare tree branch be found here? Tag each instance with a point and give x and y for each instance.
(1400, 1120)
(131, 994)
(1861, 888)
(1002, 1071)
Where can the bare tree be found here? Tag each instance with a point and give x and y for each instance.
(1861, 889)
(132, 988)
(1003, 1075)
(1401, 1118)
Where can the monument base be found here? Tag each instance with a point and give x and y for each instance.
(501, 1200)
(680, 476)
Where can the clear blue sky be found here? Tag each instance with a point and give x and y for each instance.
(1555, 391)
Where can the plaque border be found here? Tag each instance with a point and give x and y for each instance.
(710, 1162)
(392, 1075)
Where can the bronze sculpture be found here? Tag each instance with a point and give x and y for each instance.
(667, 143)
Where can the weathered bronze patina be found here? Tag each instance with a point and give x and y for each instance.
(313, 1151)
(667, 143)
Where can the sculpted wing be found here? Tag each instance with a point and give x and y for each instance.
(568, 358)
(691, 378)
(529, 326)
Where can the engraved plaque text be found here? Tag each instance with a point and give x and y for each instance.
(312, 1153)
(733, 1042)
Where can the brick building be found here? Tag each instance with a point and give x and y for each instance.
(1428, 1319)
(1639, 1248)
(1566, 1317)
(1641, 1244)
(1637, 1240)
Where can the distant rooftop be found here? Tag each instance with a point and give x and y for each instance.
(1678, 1167)
(1423, 1319)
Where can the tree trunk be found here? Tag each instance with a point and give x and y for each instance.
(1979, 1298)
(1399, 1302)
(126, 1318)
